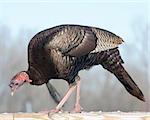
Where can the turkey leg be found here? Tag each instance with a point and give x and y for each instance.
(77, 107)
(64, 99)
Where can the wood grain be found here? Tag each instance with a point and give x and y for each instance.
(77, 116)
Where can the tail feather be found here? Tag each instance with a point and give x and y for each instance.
(128, 83)
(113, 63)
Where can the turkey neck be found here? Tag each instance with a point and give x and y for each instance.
(36, 76)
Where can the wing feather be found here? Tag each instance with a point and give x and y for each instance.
(74, 41)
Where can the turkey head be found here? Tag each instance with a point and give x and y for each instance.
(18, 80)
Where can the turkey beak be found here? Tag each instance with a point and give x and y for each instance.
(13, 89)
(12, 92)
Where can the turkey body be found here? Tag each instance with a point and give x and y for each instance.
(62, 51)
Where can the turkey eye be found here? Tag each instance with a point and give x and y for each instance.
(16, 83)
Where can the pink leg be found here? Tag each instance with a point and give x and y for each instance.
(77, 107)
(64, 99)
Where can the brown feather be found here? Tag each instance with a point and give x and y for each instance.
(86, 46)
(62, 51)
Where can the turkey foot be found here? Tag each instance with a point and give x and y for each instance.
(50, 111)
(54, 110)
(77, 109)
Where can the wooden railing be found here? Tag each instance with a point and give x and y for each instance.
(77, 116)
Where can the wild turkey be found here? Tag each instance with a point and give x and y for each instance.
(62, 51)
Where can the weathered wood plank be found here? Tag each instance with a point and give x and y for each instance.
(77, 116)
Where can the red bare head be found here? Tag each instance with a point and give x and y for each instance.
(18, 80)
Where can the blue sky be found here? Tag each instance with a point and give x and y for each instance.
(115, 16)
(118, 16)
